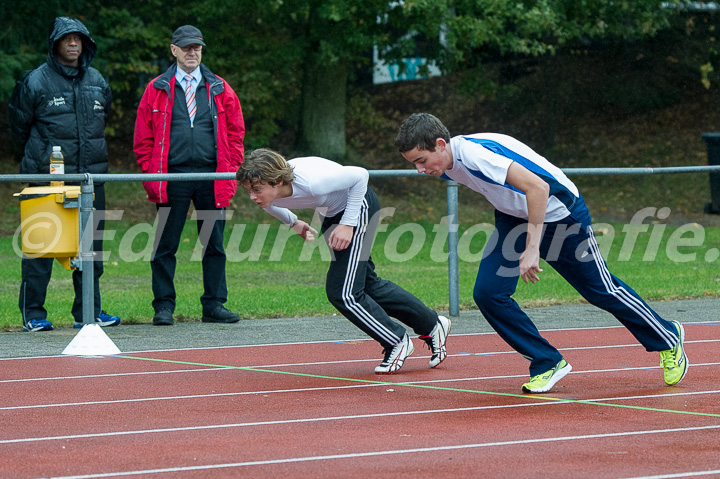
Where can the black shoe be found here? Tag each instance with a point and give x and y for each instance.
(164, 317)
(220, 315)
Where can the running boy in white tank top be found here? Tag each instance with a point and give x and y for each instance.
(349, 208)
(535, 205)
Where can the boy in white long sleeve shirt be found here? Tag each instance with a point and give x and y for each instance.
(342, 196)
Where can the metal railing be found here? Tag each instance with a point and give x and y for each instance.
(87, 181)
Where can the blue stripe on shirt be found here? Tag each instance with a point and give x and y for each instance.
(557, 189)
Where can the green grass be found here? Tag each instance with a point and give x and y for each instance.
(268, 280)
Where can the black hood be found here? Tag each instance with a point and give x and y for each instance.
(61, 27)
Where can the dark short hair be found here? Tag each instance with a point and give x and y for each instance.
(420, 130)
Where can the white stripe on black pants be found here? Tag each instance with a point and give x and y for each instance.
(367, 300)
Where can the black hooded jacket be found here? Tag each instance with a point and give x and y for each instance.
(58, 105)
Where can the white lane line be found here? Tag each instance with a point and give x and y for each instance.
(348, 417)
(679, 474)
(332, 388)
(108, 375)
(208, 348)
(266, 423)
(320, 363)
(388, 453)
(296, 343)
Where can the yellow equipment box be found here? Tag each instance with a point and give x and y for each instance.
(50, 222)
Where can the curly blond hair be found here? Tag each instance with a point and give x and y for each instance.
(264, 166)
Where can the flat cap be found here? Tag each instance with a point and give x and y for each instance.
(187, 35)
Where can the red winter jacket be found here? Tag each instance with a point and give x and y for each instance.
(152, 132)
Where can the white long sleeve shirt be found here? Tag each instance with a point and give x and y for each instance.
(324, 186)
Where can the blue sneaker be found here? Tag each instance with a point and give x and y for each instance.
(37, 325)
(105, 320)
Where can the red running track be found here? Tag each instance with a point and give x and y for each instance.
(315, 410)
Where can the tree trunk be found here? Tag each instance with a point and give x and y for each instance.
(324, 104)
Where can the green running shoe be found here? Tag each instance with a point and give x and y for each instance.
(674, 361)
(542, 383)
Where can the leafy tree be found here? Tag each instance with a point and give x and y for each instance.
(478, 30)
(24, 35)
(291, 61)
(334, 35)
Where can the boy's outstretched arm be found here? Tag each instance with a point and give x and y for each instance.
(536, 193)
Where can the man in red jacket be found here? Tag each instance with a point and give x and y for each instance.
(189, 121)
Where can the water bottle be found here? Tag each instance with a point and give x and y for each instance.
(57, 165)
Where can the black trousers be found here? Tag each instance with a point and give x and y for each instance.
(36, 273)
(367, 300)
(173, 215)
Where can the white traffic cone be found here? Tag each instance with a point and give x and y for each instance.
(91, 341)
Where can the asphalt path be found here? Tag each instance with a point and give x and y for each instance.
(145, 337)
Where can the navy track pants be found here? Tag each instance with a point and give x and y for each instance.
(570, 247)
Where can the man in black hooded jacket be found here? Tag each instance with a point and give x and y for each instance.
(63, 103)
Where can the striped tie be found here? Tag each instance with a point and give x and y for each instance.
(190, 97)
